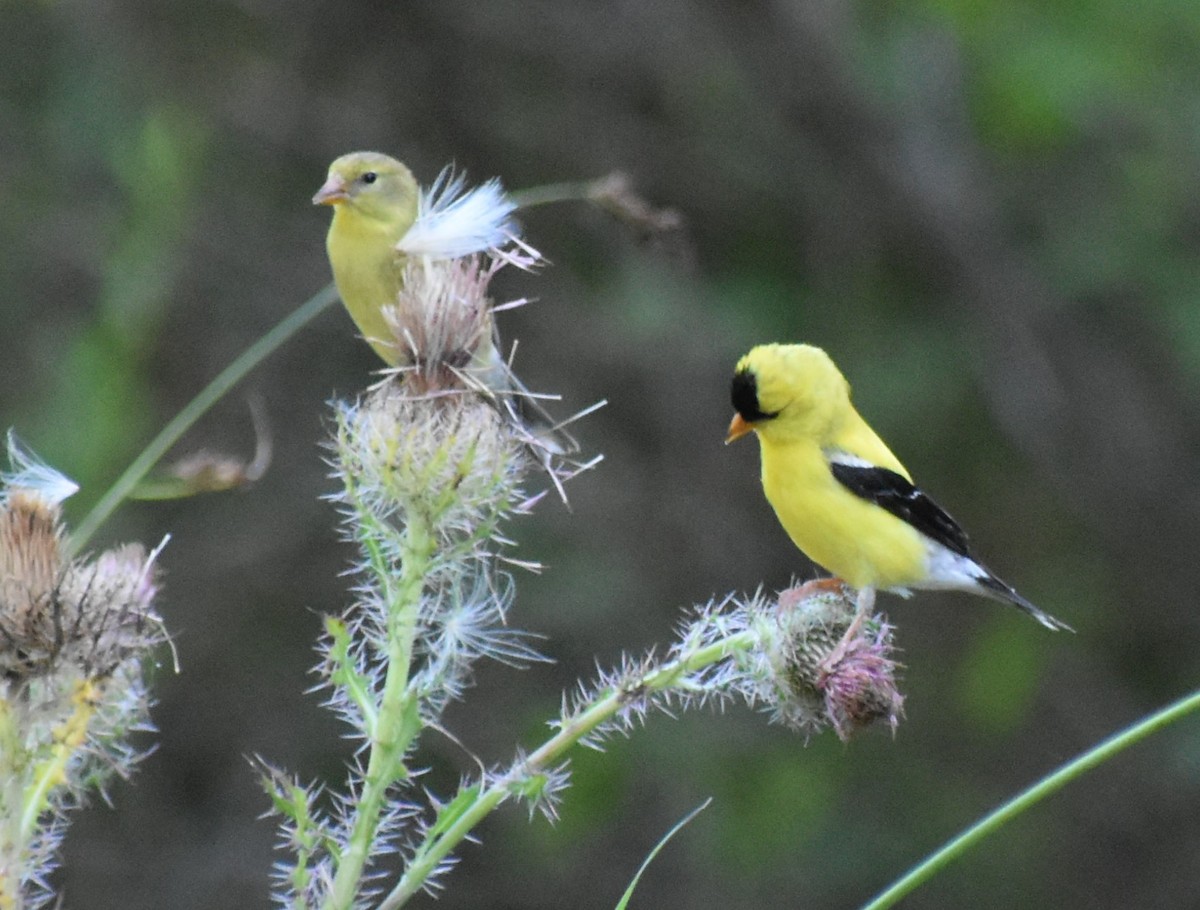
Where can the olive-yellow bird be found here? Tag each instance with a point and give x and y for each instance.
(844, 499)
(382, 218)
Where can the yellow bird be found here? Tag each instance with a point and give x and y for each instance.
(375, 200)
(844, 499)
(382, 219)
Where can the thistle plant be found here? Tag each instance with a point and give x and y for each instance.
(76, 636)
(431, 463)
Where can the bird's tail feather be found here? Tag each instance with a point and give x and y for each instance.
(994, 587)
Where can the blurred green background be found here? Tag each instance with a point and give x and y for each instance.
(987, 212)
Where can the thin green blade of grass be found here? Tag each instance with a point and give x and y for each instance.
(1047, 786)
(624, 902)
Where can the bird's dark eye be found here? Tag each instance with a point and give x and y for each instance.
(369, 177)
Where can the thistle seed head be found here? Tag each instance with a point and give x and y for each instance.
(53, 611)
(442, 319)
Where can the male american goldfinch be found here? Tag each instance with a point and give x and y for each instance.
(839, 492)
(382, 222)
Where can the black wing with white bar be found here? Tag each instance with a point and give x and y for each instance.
(894, 493)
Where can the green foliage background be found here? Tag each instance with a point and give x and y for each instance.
(987, 212)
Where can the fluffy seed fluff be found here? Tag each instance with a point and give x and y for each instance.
(29, 474)
(453, 222)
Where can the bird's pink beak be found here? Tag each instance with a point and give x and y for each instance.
(737, 429)
(333, 192)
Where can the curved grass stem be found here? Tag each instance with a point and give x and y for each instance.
(569, 191)
(1044, 788)
(193, 411)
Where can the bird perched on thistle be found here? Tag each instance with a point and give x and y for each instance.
(844, 499)
(387, 232)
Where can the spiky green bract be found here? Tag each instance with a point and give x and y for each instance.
(74, 636)
(427, 481)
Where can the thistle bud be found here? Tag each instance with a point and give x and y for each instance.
(819, 664)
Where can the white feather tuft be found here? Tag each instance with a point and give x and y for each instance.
(453, 221)
(32, 475)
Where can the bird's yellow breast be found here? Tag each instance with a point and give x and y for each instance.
(367, 270)
(855, 540)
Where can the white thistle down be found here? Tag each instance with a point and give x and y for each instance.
(453, 221)
(32, 475)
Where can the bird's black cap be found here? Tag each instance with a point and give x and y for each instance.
(743, 392)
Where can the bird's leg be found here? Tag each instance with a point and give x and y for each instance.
(864, 606)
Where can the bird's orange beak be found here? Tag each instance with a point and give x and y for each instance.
(333, 191)
(737, 428)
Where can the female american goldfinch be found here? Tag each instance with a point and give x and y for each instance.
(839, 492)
(383, 222)
(381, 218)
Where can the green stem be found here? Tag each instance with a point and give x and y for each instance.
(51, 772)
(572, 191)
(1035, 794)
(12, 801)
(432, 852)
(397, 724)
(212, 393)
